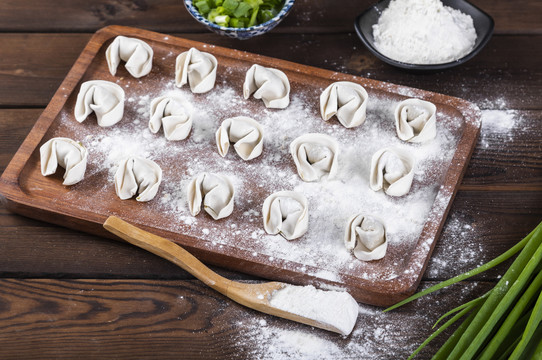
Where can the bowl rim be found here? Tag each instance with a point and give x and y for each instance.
(189, 4)
(424, 67)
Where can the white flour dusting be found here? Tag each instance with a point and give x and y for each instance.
(376, 335)
(335, 308)
(320, 253)
(423, 32)
(501, 122)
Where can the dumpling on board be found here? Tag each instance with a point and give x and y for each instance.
(270, 85)
(215, 192)
(415, 120)
(315, 155)
(137, 54)
(347, 101)
(137, 175)
(104, 98)
(66, 153)
(286, 213)
(244, 133)
(365, 236)
(196, 68)
(173, 114)
(392, 170)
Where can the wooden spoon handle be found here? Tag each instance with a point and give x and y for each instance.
(168, 250)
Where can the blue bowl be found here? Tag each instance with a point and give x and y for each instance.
(240, 33)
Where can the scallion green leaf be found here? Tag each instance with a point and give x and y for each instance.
(507, 320)
(245, 12)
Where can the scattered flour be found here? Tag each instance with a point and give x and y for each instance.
(501, 122)
(376, 335)
(320, 253)
(331, 308)
(423, 32)
(460, 253)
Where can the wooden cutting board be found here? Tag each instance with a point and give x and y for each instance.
(86, 205)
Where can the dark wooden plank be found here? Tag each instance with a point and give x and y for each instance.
(307, 16)
(32, 66)
(503, 75)
(507, 155)
(14, 126)
(481, 226)
(183, 319)
(36, 249)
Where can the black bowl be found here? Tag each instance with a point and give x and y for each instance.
(483, 23)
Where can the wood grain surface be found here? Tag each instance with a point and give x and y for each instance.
(406, 259)
(66, 294)
(308, 16)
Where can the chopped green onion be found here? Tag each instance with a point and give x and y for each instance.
(237, 23)
(230, 6)
(222, 20)
(242, 10)
(203, 6)
(253, 17)
(266, 15)
(239, 13)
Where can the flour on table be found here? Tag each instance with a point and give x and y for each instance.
(321, 251)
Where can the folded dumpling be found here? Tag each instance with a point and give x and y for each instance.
(69, 154)
(136, 175)
(172, 113)
(214, 191)
(196, 68)
(415, 120)
(365, 236)
(346, 100)
(104, 98)
(315, 155)
(244, 133)
(270, 85)
(286, 213)
(392, 170)
(137, 54)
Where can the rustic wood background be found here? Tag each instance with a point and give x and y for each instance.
(66, 294)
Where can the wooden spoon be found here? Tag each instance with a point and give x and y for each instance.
(255, 296)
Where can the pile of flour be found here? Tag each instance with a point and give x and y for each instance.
(423, 32)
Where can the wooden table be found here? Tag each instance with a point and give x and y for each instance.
(66, 294)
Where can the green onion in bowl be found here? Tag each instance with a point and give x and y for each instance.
(239, 13)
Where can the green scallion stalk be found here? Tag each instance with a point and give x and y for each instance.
(514, 336)
(504, 320)
(530, 329)
(441, 329)
(470, 305)
(503, 257)
(524, 302)
(500, 299)
(448, 346)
